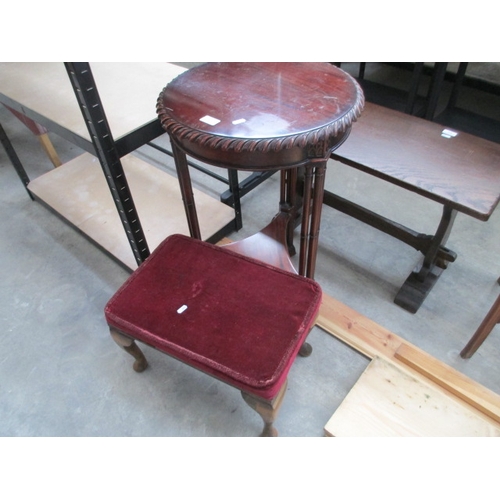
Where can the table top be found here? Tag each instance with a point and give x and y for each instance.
(264, 105)
(448, 166)
(42, 91)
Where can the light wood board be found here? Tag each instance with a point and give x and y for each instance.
(79, 193)
(128, 91)
(387, 402)
(372, 339)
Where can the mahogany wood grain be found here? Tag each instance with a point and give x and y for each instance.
(261, 117)
(268, 245)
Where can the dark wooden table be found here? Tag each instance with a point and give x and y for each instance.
(458, 170)
(261, 117)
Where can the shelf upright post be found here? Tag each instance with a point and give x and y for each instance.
(14, 159)
(92, 110)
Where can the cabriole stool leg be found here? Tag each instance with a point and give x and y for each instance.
(267, 409)
(129, 345)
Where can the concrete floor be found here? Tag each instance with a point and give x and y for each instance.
(62, 375)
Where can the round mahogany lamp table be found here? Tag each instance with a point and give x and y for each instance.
(259, 117)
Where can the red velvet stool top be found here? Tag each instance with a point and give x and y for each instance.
(231, 316)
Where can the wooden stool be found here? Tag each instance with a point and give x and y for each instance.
(230, 316)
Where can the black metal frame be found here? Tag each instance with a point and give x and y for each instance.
(106, 151)
(109, 152)
(124, 145)
(14, 159)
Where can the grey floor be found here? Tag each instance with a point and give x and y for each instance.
(62, 375)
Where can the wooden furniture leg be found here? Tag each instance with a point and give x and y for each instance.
(316, 208)
(289, 203)
(129, 345)
(182, 167)
(312, 182)
(49, 149)
(305, 350)
(232, 317)
(485, 328)
(418, 285)
(306, 214)
(41, 133)
(268, 410)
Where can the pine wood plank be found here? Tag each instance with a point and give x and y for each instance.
(373, 340)
(450, 379)
(357, 330)
(388, 402)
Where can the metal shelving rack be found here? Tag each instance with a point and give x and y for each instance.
(92, 110)
(112, 157)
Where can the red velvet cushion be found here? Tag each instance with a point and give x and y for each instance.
(244, 323)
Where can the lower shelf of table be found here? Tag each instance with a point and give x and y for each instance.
(77, 191)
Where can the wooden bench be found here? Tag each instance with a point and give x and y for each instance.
(458, 170)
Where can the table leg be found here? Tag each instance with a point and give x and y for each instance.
(420, 282)
(306, 215)
(186, 191)
(489, 322)
(288, 203)
(316, 208)
(314, 184)
(234, 189)
(438, 76)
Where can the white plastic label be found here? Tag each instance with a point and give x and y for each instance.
(448, 133)
(210, 120)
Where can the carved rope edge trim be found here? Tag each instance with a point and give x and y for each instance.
(263, 145)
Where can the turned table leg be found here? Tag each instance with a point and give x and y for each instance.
(186, 187)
